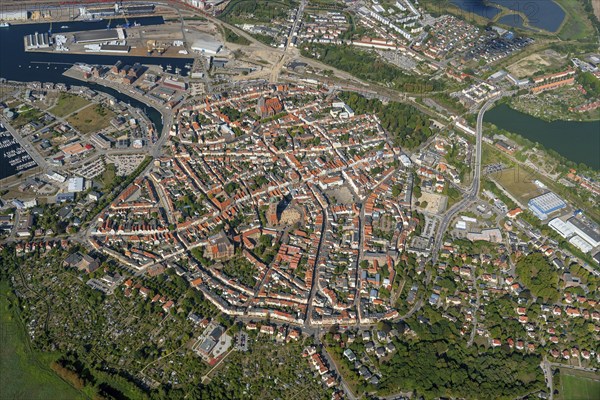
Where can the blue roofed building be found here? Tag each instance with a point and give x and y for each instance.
(546, 204)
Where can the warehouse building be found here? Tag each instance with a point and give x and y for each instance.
(588, 232)
(16, 15)
(99, 36)
(207, 47)
(173, 84)
(37, 41)
(138, 9)
(546, 204)
(104, 11)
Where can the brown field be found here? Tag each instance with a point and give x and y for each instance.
(596, 5)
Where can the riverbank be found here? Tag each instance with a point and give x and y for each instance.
(559, 106)
(576, 141)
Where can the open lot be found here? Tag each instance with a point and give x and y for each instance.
(436, 203)
(548, 59)
(68, 103)
(518, 183)
(579, 386)
(91, 119)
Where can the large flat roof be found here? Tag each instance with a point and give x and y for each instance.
(547, 203)
(97, 36)
(591, 231)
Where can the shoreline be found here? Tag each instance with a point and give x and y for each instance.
(546, 119)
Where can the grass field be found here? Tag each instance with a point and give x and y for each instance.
(91, 119)
(26, 116)
(518, 183)
(232, 37)
(577, 24)
(108, 176)
(68, 103)
(575, 386)
(24, 374)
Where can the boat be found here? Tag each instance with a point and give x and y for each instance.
(93, 20)
(4, 24)
(64, 27)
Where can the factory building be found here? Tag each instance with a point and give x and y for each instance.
(587, 231)
(546, 204)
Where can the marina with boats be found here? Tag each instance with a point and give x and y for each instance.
(15, 159)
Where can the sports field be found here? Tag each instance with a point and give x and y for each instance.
(575, 387)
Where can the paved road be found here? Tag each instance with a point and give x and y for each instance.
(343, 383)
(277, 67)
(315, 279)
(547, 368)
(473, 192)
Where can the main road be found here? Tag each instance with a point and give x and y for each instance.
(472, 193)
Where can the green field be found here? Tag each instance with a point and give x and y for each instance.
(24, 374)
(578, 387)
(577, 24)
(232, 37)
(91, 119)
(68, 103)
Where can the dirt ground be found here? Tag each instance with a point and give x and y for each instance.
(536, 62)
(436, 203)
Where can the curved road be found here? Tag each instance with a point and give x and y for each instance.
(472, 193)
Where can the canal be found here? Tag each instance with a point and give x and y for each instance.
(576, 141)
